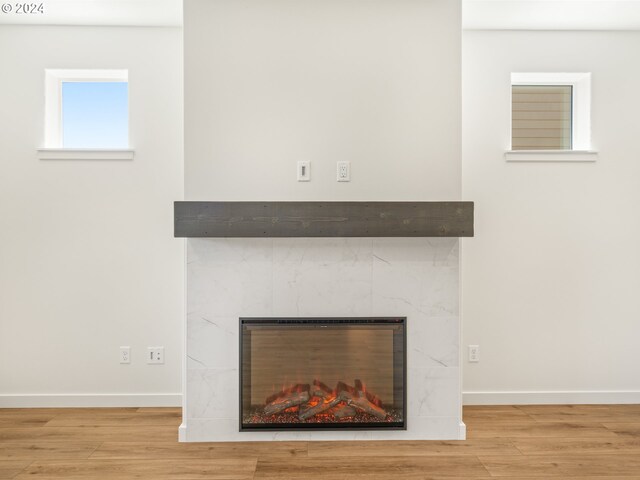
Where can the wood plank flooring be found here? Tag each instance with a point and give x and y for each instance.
(594, 442)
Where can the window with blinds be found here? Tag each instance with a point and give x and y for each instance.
(541, 117)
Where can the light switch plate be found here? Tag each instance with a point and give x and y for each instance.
(304, 171)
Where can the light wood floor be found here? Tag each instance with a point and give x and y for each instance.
(525, 442)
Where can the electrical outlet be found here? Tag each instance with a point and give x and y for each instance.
(155, 355)
(344, 171)
(474, 353)
(304, 171)
(125, 354)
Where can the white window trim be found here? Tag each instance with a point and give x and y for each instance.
(581, 118)
(551, 156)
(53, 149)
(84, 154)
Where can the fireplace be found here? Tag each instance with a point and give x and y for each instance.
(322, 373)
(277, 264)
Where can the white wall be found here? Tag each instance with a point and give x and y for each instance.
(88, 261)
(376, 83)
(551, 279)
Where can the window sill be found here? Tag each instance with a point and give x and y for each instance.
(84, 154)
(551, 156)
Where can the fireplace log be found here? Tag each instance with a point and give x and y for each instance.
(344, 411)
(320, 389)
(372, 398)
(292, 399)
(359, 400)
(343, 387)
(363, 403)
(318, 392)
(326, 404)
(285, 392)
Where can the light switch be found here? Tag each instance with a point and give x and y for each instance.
(304, 171)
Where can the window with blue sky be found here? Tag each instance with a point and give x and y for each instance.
(95, 115)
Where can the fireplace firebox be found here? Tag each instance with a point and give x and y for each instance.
(322, 373)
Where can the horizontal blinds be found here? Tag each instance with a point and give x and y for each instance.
(541, 117)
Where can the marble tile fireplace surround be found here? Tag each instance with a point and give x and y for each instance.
(279, 274)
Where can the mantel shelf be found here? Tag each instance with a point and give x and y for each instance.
(323, 219)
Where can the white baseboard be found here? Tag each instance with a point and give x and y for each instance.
(175, 399)
(91, 400)
(550, 397)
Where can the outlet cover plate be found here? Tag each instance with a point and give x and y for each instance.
(155, 355)
(474, 353)
(125, 354)
(344, 171)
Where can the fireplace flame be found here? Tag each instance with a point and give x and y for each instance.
(317, 402)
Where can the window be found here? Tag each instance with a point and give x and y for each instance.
(551, 114)
(541, 117)
(87, 110)
(95, 115)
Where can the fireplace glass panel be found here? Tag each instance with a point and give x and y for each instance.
(322, 373)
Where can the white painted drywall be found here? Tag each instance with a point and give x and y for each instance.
(551, 279)
(88, 261)
(376, 83)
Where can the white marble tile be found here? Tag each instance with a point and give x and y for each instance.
(226, 430)
(230, 278)
(322, 250)
(317, 290)
(212, 393)
(229, 250)
(322, 277)
(433, 392)
(433, 341)
(212, 342)
(404, 287)
(436, 251)
(435, 428)
(230, 290)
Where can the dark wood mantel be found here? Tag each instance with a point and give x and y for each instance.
(323, 219)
